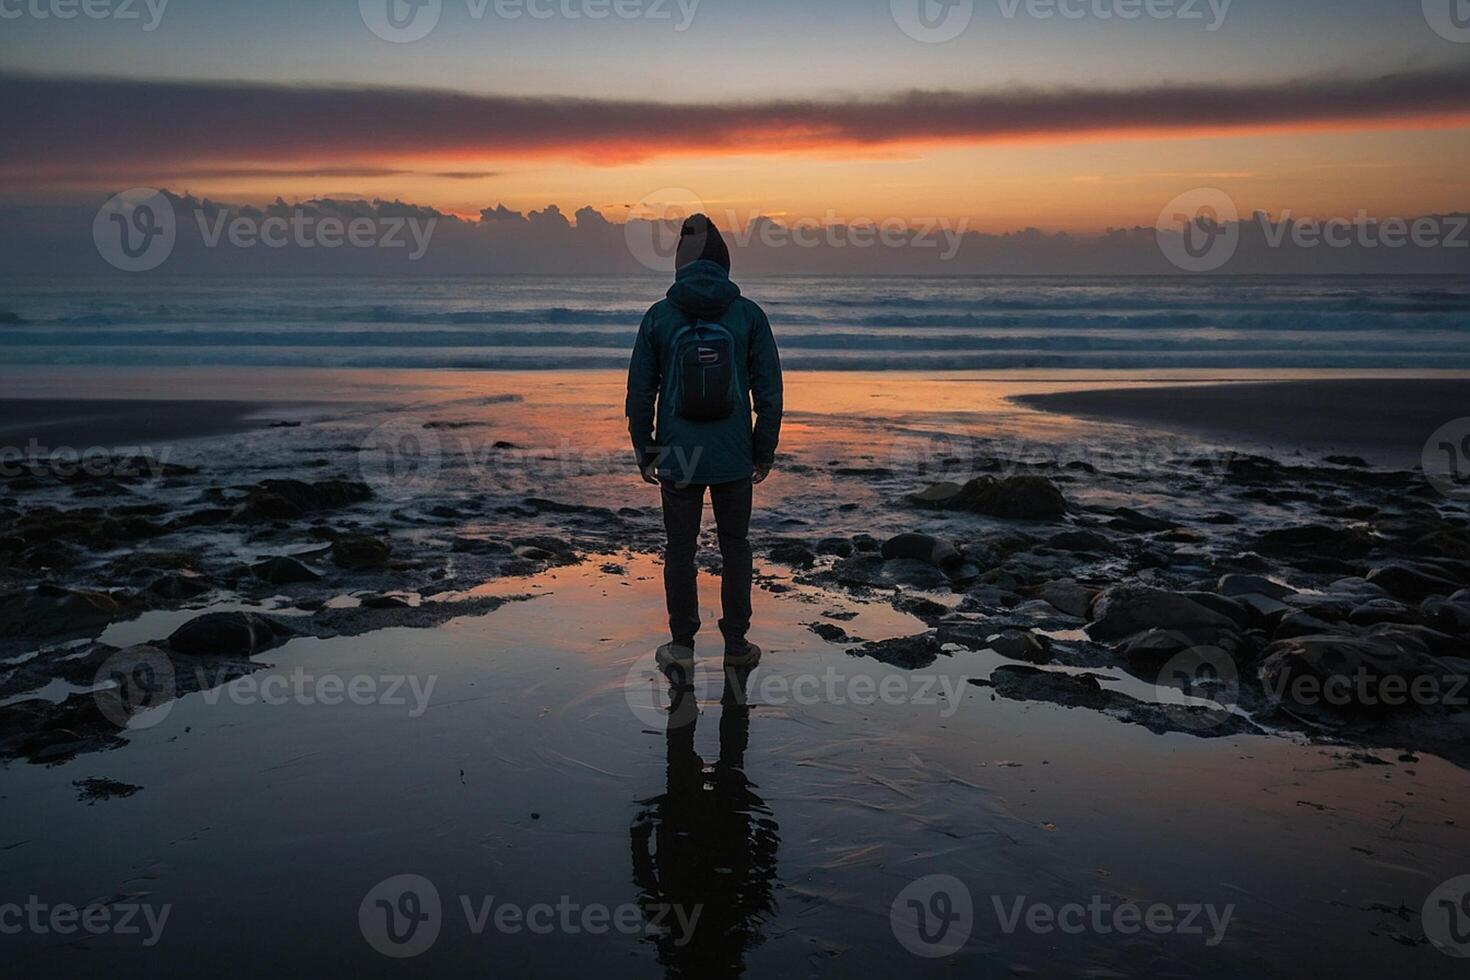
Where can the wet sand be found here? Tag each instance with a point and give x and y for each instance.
(82, 423)
(526, 752)
(1386, 419)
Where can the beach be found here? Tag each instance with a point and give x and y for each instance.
(402, 622)
(1388, 419)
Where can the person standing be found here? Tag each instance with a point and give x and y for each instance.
(704, 412)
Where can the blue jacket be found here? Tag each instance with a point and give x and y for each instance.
(689, 452)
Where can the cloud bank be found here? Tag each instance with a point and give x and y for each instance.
(398, 238)
(90, 125)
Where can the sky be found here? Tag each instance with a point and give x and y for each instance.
(845, 110)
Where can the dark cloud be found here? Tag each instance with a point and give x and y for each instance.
(95, 124)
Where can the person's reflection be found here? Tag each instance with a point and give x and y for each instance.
(707, 845)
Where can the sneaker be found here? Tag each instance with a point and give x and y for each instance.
(749, 657)
(676, 661)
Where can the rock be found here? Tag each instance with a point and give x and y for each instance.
(1410, 584)
(1081, 541)
(922, 547)
(865, 543)
(49, 610)
(841, 547)
(1447, 615)
(1128, 609)
(1265, 607)
(1358, 588)
(908, 652)
(284, 500)
(175, 587)
(1021, 683)
(921, 607)
(1299, 623)
(1377, 611)
(1128, 519)
(1154, 647)
(1069, 597)
(227, 634)
(830, 632)
(357, 552)
(1018, 645)
(1013, 498)
(283, 571)
(1343, 674)
(793, 553)
(1238, 585)
(1318, 539)
(1237, 611)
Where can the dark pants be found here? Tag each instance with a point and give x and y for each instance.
(683, 509)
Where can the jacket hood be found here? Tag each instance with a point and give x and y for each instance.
(703, 288)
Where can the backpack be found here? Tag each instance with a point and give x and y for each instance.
(704, 377)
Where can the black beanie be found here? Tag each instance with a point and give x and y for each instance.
(700, 239)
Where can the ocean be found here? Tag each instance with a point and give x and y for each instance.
(559, 323)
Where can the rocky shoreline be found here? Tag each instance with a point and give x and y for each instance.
(1323, 598)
